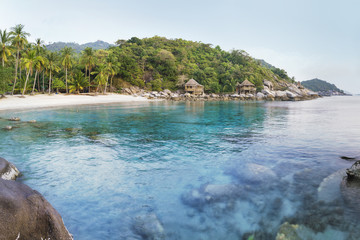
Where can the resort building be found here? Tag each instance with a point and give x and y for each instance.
(245, 87)
(194, 87)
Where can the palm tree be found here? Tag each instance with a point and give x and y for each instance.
(39, 46)
(38, 64)
(18, 40)
(67, 61)
(112, 68)
(77, 83)
(5, 48)
(88, 57)
(102, 76)
(28, 61)
(52, 65)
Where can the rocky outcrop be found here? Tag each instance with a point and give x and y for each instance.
(7, 170)
(14, 119)
(25, 214)
(353, 173)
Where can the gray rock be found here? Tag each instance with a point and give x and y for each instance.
(211, 193)
(167, 91)
(148, 227)
(25, 214)
(253, 173)
(280, 94)
(8, 128)
(290, 94)
(14, 119)
(32, 121)
(353, 173)
(329, 189)
(7, 170)
(268, 84)
(260, 96)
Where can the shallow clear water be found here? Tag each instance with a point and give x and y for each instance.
(194, 170)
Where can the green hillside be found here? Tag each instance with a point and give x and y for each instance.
(158, 62)
(318, 85)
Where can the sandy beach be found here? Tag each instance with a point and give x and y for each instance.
(57, 100)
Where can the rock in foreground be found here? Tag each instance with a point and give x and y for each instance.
(7, 170)
(25, 214)
(353, 173)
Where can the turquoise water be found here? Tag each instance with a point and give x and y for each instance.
(194, 170)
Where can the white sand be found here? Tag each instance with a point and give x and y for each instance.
(58, 100)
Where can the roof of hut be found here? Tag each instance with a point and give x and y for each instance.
(247, 83)
(192, 82)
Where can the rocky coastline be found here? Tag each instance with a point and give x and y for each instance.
(288, 92)
(24, 212)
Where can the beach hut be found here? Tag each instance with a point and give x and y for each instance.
(194, 87)
(245, 87)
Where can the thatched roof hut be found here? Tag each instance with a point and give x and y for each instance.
(193, 87)
(245, 87)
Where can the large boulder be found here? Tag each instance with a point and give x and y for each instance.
(25, 214)
(7, 170)
(354, 171)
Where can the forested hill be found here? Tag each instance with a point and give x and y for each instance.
(318, 85)
(158, 62)
(57, 46)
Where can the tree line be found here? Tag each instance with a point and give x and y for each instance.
(152, 63)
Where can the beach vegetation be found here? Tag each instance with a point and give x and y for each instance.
(155, 64)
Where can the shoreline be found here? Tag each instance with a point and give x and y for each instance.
(17, 102)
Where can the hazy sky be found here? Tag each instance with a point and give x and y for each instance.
(307, 38)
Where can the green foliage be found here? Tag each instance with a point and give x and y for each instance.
(158, 62)
(77, 82)
(318, 85)
(6, 77)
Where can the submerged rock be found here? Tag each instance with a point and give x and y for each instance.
(8, 127)
(329, 189)
(211, 193)
(148, 227)
(25, 214)
(32, 121)
(353, 173)
(14, 119)
(7, 170)
(253, 173)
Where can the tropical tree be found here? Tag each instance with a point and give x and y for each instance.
(28, 61)
(5, 48)
(88, 58)
(39, 46)
(39, 64)
(112, 68)
(58, 83)
(67, 61)
(18, 41)
(52, 65)
(77, 83)
(102, 76)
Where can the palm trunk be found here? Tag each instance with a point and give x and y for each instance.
(66, 81)
(38, 81)
(89, 78)
(16, 67)
(27, 78)
(106, 84)
(3, 62)
(50, 83)
(111, 82)
(43, 89)
(34, 82)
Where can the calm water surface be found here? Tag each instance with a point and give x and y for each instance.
(195, 170)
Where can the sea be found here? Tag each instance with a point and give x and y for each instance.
(193, 170)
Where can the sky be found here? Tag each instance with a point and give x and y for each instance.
(308, 38)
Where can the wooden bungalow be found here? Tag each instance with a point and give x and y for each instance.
(245, 87)
(194, 87)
